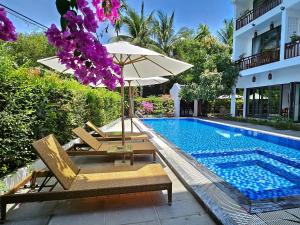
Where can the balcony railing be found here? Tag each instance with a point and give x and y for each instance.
(256, 12)
(260, 59)
(292, 50)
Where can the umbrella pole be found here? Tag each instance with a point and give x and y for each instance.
(122, 109)
(130, 104)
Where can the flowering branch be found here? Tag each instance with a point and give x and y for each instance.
(77, 47)
(7, 29)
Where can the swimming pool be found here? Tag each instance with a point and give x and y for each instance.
(260, 165)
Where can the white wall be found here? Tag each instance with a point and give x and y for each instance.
(281, 76)
(175, 92)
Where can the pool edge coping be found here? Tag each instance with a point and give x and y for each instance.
(234, 126)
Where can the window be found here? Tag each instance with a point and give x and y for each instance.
(293, 26)
(266, 41)
(263, 102)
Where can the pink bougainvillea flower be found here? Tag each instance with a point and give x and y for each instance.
(107, 10)
(7, 29)
(148, 107)
(78, 48)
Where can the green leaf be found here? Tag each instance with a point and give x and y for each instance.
(73, 4)
(63, 6)
(63, 23)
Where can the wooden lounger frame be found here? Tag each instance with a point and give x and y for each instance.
(76, 149)
(12, 197)
(150, 177)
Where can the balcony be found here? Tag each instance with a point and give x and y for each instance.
(260, 59)
(256, 12)
(292, 49)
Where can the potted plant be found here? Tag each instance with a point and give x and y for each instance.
(294, 37)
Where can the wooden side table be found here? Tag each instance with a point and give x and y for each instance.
(119, 150)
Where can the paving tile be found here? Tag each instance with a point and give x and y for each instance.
(130, 215)
(28, 211)
(189, 220)
(146, 223)
(134, 200)
(282, 222)
(179, 208)
(84, 205)
(78, 219)
(295, 211)
(276, 215)
(161, 198)
(33, 221)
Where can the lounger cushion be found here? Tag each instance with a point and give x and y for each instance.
(118, 135)
(152, 174)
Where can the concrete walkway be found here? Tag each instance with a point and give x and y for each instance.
(135, 209)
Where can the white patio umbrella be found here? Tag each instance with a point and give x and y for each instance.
(138, 82)
(135, 62)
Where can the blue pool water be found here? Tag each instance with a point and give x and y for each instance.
(260, 166)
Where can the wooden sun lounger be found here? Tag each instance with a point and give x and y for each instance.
(117, 135)
(100, 148)
(77, 183)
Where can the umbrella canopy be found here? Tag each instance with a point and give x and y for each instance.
(138, 82)
(54, 63)
(228, 97)
(135, 62)
(142, 63)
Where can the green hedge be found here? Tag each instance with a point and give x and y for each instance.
(161, 105)
(220, 105)
(32, 107)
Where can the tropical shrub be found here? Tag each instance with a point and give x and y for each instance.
(220, 105)
(33, 106)
(161, 105)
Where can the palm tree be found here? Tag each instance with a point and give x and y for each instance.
(203, 32)
(118, 24)
(139, 28)
(225, 34)
(164, 32)
(185, 33)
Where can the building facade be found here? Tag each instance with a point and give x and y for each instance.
(266, 49)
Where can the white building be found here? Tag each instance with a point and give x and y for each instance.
(268, 58)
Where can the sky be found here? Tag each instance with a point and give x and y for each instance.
(187, 13)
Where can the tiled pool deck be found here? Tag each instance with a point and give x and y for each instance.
(222, 205)
(151, 208)
(135, 209)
